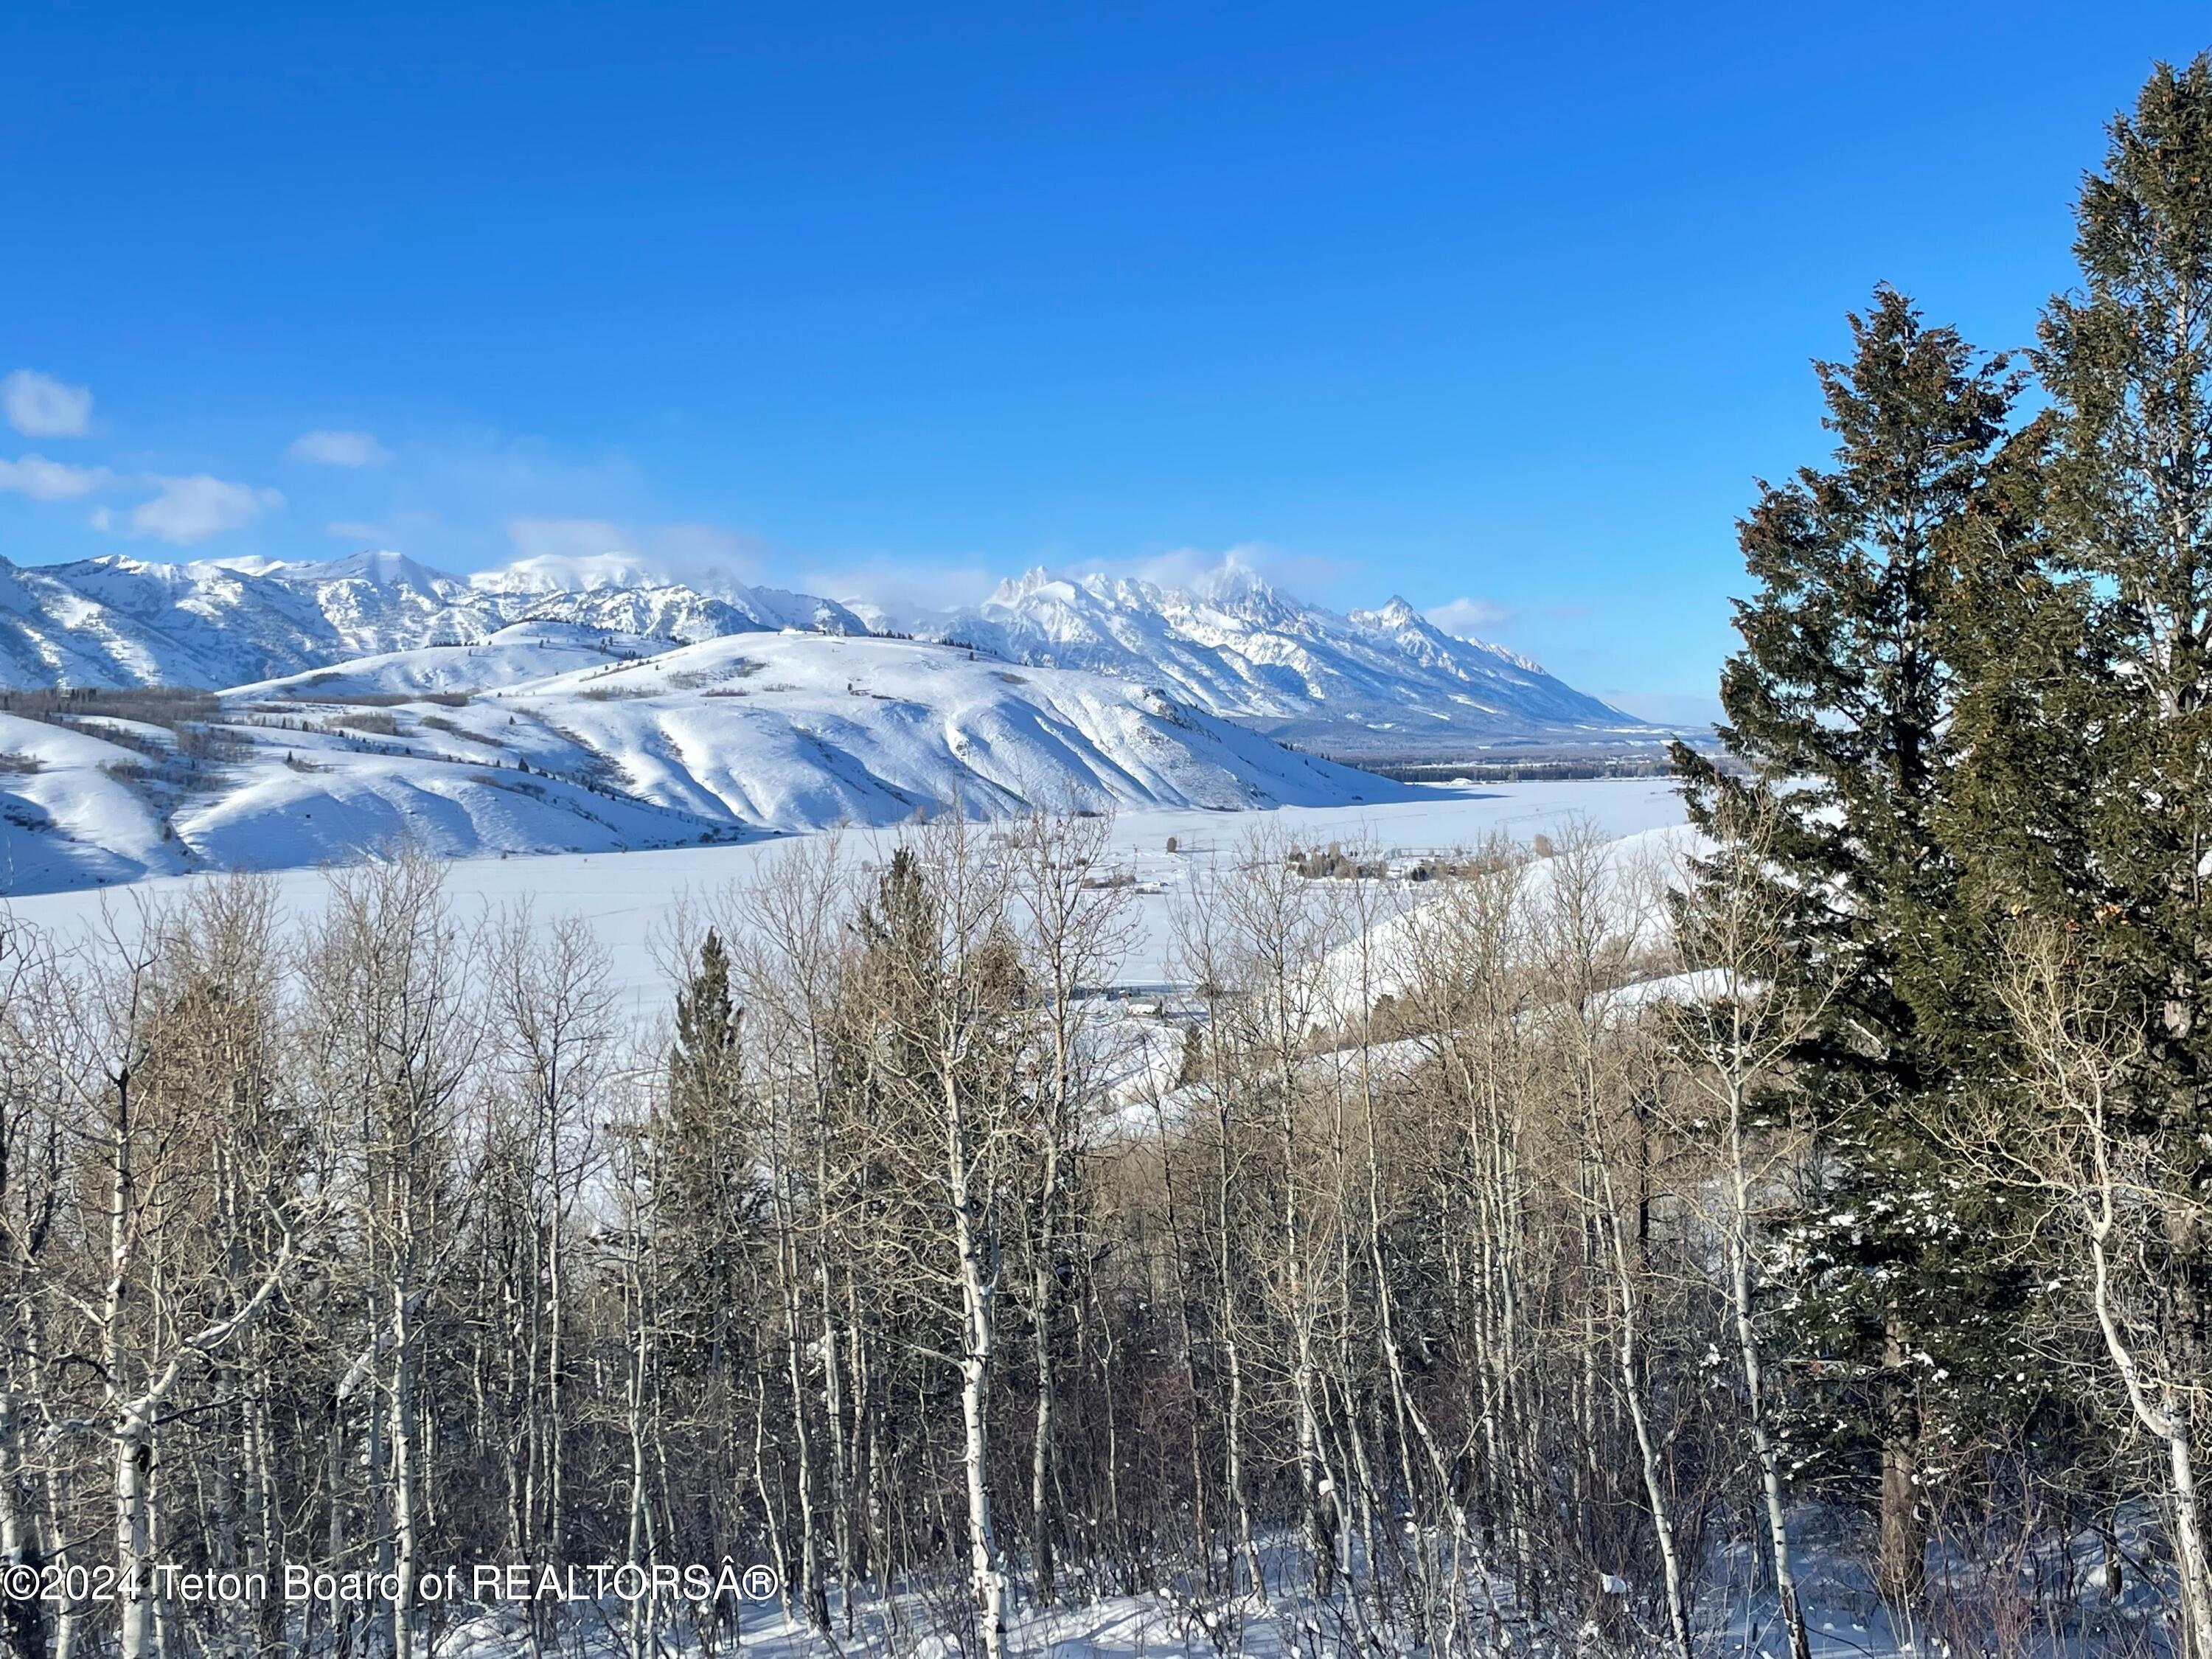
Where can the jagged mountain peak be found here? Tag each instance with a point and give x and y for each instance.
(1014, 590)
(1233, 582)
(1393, 612)
(121, 621)
(1369, 682)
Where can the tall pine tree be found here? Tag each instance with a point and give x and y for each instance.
(1841, 705)
(2127, 360)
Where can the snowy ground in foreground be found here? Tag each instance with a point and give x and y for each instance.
(1736, 1616)
(629, 898)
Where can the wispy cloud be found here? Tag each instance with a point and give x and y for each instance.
(43, 480)
(190, 510)
(897, 587)
(39, 406)
(700, 554)
(328, 448)
(1206, 569)
(1467, 617)
(904, 586)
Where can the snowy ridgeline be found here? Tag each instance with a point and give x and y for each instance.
(1385, 681)
(546, 738)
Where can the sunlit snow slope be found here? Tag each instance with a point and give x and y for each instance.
(462, 751)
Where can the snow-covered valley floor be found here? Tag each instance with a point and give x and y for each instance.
(630, 898)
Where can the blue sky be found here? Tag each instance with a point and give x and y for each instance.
(1501, 308)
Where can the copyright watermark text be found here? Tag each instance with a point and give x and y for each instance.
(485, 1583)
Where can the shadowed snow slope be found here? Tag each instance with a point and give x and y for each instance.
(462, 751)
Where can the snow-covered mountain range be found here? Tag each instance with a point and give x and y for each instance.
(1386, 682)
(1362, 684)
(258, 714)
(123, 622)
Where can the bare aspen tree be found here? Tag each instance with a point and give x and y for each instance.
(1071, 921)
(638, 1184)
(550, 1030)
(1590, 912)
(395, 1039)
(159, 1047)
(2122, 1195)
(1462, 960)
(1205, 959)
(793, 974)
(945, 975)
(1278, 931)
(1740, 1029)
(32, 1187)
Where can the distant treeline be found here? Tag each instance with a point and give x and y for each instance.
(1411, 770)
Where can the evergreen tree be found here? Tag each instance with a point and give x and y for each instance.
(1841, 705)
(2127, 359)
(708, 1195)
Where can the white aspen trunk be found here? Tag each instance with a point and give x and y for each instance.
(1631, 1389)
(1233, 1360)
(2188, 1539)
(334, 1539)
(975, 1240)
(404, 1471)
(132, 1430)
(556, 1292)
(644, 1612)
(1762, 1442)
(133, 1543)
(2164, 1418)
(833, 1391)
(1313, 1480)
(1042, 1283)
(811, 1593)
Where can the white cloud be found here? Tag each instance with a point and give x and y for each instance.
(39, 406)
(693, 550)
(897, 590)
(325, 448)
(1202, 570)
(588, 551)
(566, 539)
(43, 480)
(1465, 617)
(190, 510)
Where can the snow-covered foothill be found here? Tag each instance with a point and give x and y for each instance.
(463, 750)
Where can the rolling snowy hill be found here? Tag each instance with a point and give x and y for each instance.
(1368, 682)
(461, 750)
